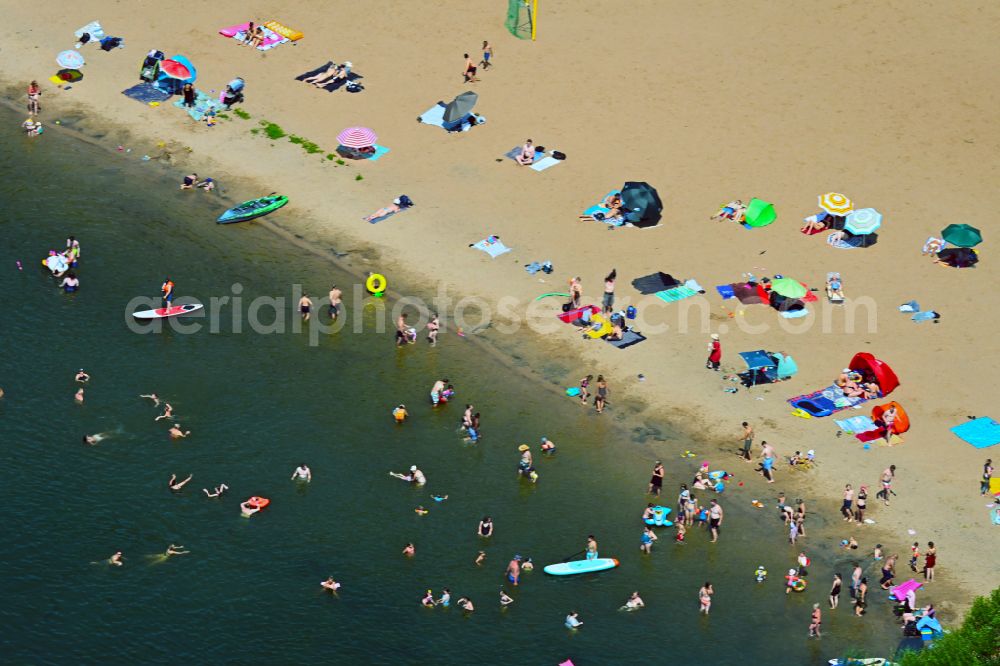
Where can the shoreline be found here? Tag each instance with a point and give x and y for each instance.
(658, 399)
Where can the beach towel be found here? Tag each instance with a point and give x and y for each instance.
(749, 294)
(573, 316)
(515, 152)
(676, 294)
(942, 243)
(981, 433)
(629, 338)
(654, 282)
(329, 86)
(146, 93)
(825, 401)
(925, 316)
(793, 314)
(379, 152)
(238, 32)
(857, 424)
(492, 246)
(726, 291)
(544, 163)
(93, 29)
(598, 208)
(848, 244)
(202, 105)
(376, 220)
(435, 116)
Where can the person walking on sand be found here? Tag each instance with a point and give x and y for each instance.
(747, 438)
(602, 394)
(305, 306)
(575, 292)
(334, 296)
(487, 55)
(888, 474)
(469, 73)
(984, 483)
(845, 508)
(705, 597)
(609, 291)
(930, 561)
(714, 353)
(835, 591)
(715, 519)
(656, 482)
(815, 622)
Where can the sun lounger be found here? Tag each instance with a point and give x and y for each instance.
(492, 246)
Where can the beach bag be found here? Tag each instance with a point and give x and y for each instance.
(556, 154)
(567, 307)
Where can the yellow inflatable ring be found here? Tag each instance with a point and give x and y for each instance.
(800, 585)
(376, 283)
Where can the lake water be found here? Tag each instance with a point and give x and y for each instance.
(258, 405)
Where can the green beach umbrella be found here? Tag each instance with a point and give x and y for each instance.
(788, 287)
(760, 213)
(962, 235)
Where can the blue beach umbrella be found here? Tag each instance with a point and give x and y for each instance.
(863, 222)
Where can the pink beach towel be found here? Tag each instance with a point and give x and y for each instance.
(238, 32)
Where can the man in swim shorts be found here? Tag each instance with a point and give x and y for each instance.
(747, 440)
(302, 473)
(168, 292)
(334, 297)
(514, 570)
(305, 306)
(436, 390)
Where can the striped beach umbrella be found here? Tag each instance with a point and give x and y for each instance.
(836, 203)
(864, 221)
(357, 137)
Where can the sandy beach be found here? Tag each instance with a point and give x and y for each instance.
(894, 105)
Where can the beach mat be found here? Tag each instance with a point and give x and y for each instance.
(271, 38)
(654, 282)
(516, 150)
(202, 105)
(629, 338)
(435, 116)
(314, 72)
(857, 424)
(981, 433)
(494, 249)
(793, 314)
(544, 163)
(676, 294)
(825, 401)
(849, 244)
(146, 93)
(379, 152)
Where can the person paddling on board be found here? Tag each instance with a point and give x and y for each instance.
(168, 292)
(591, 547)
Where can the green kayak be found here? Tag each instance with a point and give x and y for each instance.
(248, 210)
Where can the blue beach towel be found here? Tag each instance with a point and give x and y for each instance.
(202, 105)
(725, 290)
(857, 424)
(146, 93)
(793, 314)
(980, 433)
(435, 116)
(379, 152)
(494, 249)
(849, 244)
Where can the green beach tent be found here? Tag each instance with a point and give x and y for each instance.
(760, 213)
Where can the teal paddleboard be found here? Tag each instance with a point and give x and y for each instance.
(581, 566)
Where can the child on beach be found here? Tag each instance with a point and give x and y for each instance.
(487, 55)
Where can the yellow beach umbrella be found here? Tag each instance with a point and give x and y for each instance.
(836, 203)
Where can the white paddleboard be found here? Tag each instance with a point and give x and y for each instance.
(172, 311)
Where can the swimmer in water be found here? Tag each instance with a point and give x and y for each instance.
(480, 558)
(445, 599)
(428, 600)
(528, 565)
(79, 397)
(247, 509)
(548, 447)
(415, 476)
(467, 417)
(505, 600)
(176, 485)
(90, 439)
(302, 473)
(168, 553)
(330, 584)
(421, 511)
(116, 559)
(514, 570)
(466, 605)
(634, 602)
(399, 413)
(82, 377)
(152, 396)
(168, 412)
(485, 528)
(409, 550)
(177, 433)
(218, 490)
(439, 498)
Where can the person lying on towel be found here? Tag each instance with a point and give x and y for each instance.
(734, 210)
(402, 202)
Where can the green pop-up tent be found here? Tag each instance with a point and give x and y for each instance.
(760, 213)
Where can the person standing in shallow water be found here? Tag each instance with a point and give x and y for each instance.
(747, 441)
(602, 394)
(656, 482)
(705, 597)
